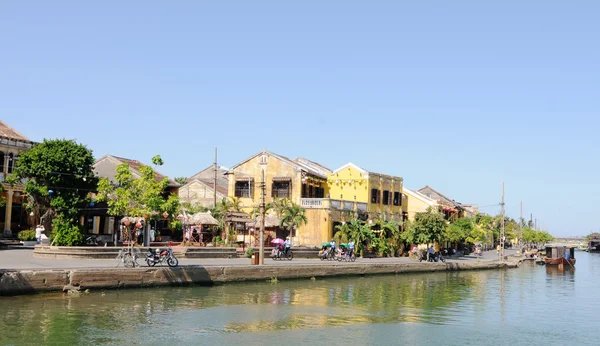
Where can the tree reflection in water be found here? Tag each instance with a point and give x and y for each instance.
(112, 316)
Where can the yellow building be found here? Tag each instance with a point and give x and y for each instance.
(13, 215)
(415, 202)
(302, 181)
(370, 195)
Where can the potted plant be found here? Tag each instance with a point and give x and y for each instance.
(27, 237)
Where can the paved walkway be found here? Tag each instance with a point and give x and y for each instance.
(24, 259)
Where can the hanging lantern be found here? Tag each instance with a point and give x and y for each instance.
(145, 217)
(165, 215)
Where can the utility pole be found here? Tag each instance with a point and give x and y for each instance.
(215, 182)
(502, 240)
(521, 225)
(261, 254)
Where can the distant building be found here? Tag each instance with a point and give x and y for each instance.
(13, 216)
(199, 189)
(451, 209)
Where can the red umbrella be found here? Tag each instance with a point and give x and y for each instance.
(278, 241)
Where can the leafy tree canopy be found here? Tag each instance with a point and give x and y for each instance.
(429, 226)
(59, 177)
(180, 180)
(137, 197)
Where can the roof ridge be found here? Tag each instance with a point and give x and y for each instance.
(19, 134)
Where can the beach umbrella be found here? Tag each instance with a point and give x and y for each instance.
(278, 241)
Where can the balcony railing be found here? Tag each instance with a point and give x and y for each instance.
(313, 203)
(325, 203)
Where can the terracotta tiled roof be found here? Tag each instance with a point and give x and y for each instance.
(7, 131)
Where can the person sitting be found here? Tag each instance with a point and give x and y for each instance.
(350, 248)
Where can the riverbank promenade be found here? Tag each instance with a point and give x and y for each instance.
(24, 259)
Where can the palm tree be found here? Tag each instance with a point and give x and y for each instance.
(293, 216)
(391, 234)
(361, 234)
(343, 233)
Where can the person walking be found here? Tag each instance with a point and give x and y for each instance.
(39, 230)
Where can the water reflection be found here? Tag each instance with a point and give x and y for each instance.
(482, 300)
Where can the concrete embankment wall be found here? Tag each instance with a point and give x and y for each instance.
(18, 282)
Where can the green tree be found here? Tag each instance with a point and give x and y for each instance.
(2, 199)
(459, 230)
(292, 217)
(60, 177)
(180, 180)
(592, 235)
(429, 227)
(137, 197)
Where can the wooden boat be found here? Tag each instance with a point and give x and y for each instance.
(594, 244)
(560, 255)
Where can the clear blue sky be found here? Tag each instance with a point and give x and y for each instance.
(460, 95)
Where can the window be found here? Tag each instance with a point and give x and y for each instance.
(280, 189)
(304, 191)
(11, 163)
(397, 198)
(242, 189)
(386, 197)
(375, 196)
(1, 162)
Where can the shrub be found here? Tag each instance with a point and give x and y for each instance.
(28, 235)
(249, 252)
(66, 232)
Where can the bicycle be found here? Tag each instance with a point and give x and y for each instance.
(282, 255)
(347, 257)
(129, 258)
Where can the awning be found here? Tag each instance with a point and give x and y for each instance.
(282, 178)
(239, 178)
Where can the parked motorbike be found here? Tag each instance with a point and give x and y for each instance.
(161, 256)
(435, 257)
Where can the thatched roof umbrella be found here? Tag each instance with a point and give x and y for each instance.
(271, 220)
(203, 219)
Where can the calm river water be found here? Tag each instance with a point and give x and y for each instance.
(532, 304)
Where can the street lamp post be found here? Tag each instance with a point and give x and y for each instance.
(261, 255)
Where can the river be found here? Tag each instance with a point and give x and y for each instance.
(531, 304)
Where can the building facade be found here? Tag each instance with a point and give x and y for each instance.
(199, 189)
(416, 202)
(369, 195)
(13, 216)
(302, 181)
